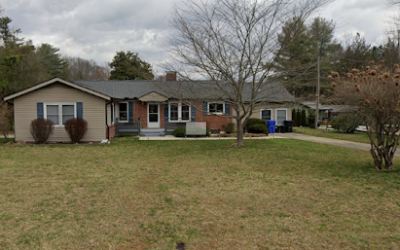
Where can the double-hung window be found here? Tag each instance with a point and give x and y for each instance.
(179, 112)
(68, 112)
(174, 111)
(185, 112)
(266, 114)
(281, 116)
(52, 112)
(59, 113)
(216, 107)
(123, 112)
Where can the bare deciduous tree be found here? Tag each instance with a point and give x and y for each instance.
(375, 92)
(233, 43)
(82, 69)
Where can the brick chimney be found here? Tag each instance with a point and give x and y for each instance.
(170, 76)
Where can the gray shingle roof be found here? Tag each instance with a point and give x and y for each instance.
(272, 92)
(331, 108)
(120, 89)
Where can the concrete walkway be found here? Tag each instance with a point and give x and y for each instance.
(8, 136)
(173, 138)
(340, 143)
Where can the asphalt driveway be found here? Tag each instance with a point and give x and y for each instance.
(340, 143)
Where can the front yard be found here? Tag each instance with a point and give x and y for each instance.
(271, 194)
(360, 137)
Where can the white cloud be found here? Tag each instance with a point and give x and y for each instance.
(368, 18)
(97, 29)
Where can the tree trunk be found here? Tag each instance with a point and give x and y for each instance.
(239, 138)
(388, 160)
(383, 157)
(239, 132)
(377, 159)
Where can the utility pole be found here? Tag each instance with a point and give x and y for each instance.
(318, 84)
(318, 76)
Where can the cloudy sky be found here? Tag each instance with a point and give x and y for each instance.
(96, 29)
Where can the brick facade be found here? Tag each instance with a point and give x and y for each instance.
(213, 121)
(111, 133)
(162, 115)
(140, 110)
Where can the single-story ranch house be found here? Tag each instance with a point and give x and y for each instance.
(328, 111)
(143, 107)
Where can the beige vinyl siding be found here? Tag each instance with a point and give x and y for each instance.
(109, 114)
(25, 108)
(117, 109)
(153, 97)
(273, 107)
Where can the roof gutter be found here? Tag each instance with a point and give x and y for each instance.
(54, 80)
(12, 104)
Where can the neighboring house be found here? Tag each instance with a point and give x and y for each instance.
(143, 107)
(278, 111)
(328, 112)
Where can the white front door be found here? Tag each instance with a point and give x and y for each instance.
(153, 115)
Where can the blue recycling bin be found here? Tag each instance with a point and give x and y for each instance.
(271, 126)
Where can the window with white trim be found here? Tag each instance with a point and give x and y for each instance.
(281, 116)
(216, 107)
(123, 112)
(174, 111)
(59, 113)
(179, 112)
(68, 112)
(266, 114)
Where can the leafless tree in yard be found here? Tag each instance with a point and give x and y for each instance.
(233, 44)
(375, 92)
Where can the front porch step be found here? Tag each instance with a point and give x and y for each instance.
(152, 132)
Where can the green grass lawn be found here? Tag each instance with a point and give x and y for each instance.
(3, 140)
(356, 137)
(130, 194)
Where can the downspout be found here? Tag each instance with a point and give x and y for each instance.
(108, 127)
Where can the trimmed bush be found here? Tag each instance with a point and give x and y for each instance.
(253, 121)
(257, 128)
(125, 135)
(294, 117)
(303, 118)
(229, 128)
(76, 129)
(41, 129)
(346, 123)
(179, 132)
(311, 118)
(297, 118)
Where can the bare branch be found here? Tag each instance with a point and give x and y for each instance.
(232, 43)
(375, 92)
